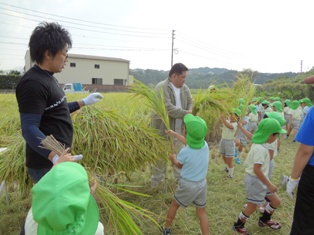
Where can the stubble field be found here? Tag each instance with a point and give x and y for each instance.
(225, 198)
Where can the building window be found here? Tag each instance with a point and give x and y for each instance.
(97, 66)
(72, 64)
(118, 82)
(97, 81)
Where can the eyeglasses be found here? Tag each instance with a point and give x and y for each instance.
(65, 53)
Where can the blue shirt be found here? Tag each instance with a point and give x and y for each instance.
(305, 134)
(195, 163)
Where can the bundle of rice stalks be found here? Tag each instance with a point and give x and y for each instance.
(109, 143)
(9, 125)
(12, 165)
(118, 213)
(155, 102)
(122, 217)
(52, 144)
(244, 88)
(211, 104)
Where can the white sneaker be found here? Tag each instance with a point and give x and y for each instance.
(284, 180)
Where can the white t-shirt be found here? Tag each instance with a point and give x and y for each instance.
(177, 95)
(287, 110)
(31, 225)
(258, 154)
(273, 146)
(228, 134)
(296, 114)
(253, 117)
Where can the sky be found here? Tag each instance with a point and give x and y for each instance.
(269, 36)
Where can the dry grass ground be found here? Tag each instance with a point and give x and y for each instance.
(226, 198)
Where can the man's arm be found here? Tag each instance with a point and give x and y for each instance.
(301, 158)
(33, 135)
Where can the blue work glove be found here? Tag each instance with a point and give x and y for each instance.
(92, 98)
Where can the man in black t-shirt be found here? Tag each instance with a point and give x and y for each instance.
(43, 106)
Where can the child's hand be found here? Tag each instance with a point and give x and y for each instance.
(172, 156)
(170, 132)
(272, 188)
(93, 187)
(65, 157)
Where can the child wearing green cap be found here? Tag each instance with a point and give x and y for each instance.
(241, 139)
(62, 202)
(295, 118)
(272, 148)
(265, 108)
(287, 113)
(227, 144)
(193, 161)
(253, 118)
(307, 104)
(257, 169)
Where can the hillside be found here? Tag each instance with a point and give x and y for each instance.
(204, 76)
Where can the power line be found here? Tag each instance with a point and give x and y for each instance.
(92, 22)
(90, 30)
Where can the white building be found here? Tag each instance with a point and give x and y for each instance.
(94, 72)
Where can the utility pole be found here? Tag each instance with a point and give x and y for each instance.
(172, 48)
(301, 65)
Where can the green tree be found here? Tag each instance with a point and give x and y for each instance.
(14, 72)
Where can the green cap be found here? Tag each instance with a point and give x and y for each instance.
(237, 111)
(278, 106)
(62, 202)
(241, 107)
(287, 102)
(265, 102)
(278, 116)
(255, 99)
(252, 107)
(294, 104)
(241, 101)
(307, 101)
(196, 129)
(265, 128)
(276, 98)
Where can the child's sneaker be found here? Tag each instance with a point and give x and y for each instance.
(270, 223)
(238, 160)
(241, 230)
(167, 231)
